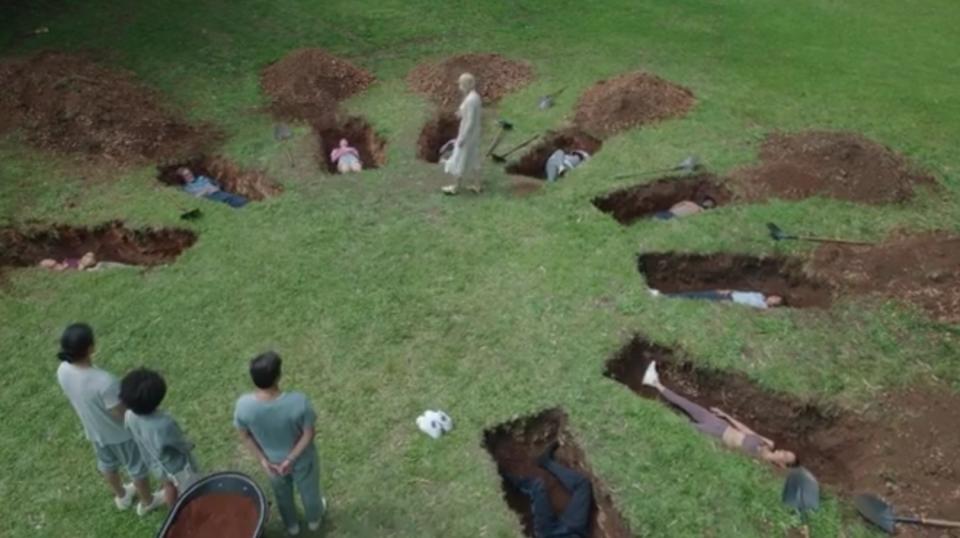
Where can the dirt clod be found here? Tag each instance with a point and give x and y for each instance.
(515, 446)
(359, 133)
(216, 515)
(439, 130)
(68, 103)
(251, 184)
(496, 77)
(630, 100)
(839, 165)
(640, 201)
(533, 162)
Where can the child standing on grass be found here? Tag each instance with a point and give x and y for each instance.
(95, 396)
(278, 428)
(163, 445)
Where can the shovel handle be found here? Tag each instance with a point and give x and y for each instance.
(836, 241)
(938, 522)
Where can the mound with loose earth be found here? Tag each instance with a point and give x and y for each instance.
(496, 77)
(630, 100)
(68, 103)
(839, 165)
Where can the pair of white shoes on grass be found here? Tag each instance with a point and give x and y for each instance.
(314, 526)
(130, 492)
(434, 423)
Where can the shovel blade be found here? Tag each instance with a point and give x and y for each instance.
(281, 131)
(776, 233)
(801, 491)
(876, 511)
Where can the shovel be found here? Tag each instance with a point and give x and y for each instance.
(192, 214)
(282, 133)
(878, 512)
(802, 493)
(503, 158)
(504, 127)
(547, 101)
(688, 166)
(777, 234)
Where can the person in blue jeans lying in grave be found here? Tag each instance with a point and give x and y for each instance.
(753, 299)
(203, 187)
(574, 521)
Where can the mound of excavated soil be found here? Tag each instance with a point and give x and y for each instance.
(359, 133)
(515, 446)
(307, 84)
(251, 184)
(923, 270)
(496, 77)
(533, 162)
(68, 103)
(839, 165)
(903, 446)
(672, 272)
(435, 133)
(111, 241)
(629, 100)
(633, 203)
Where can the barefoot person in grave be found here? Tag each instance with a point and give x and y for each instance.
(465, 159)
(719, 424)
(561, 162)
(753, 299)
(346, 157)
(203, 187)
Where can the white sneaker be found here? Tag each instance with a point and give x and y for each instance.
(429, 425)
(651, 378)
(653, 292)
(154, 504)
(450, 189)
(125, 502)
(294, 530)
(446, 423)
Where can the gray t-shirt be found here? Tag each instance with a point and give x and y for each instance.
(749, 298)
(92, 393)
(276, 424)
(162, 443)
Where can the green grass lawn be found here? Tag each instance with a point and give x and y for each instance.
(386, 299)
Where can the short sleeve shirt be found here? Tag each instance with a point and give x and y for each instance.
(275, 424)
(162, 443)
(93, 393)
(749, 298)
(200, 184)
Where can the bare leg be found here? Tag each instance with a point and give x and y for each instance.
(116, 484)
(169, 493)
(357, 167)
(143, 490)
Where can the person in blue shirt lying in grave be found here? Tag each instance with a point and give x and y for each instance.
(203, 187)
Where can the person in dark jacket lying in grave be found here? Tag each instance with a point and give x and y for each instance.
(203, 187)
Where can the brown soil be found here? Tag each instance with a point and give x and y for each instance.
(216, 515)
(307, 84)
(839, 165)
(923, 270)
(357, 131)
(675, 272)
(68, 103)
(630, 100)
(533, 161)
(111, 241)
(439, 130)
(252, 184)
(496, 77)
(515, 446)
(903, 446)
(640, 201)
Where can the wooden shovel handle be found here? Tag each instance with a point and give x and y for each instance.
(940, 522)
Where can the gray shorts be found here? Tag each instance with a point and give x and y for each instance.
(110, 458)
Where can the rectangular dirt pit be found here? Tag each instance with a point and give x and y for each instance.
(631, 204)
(515, 446)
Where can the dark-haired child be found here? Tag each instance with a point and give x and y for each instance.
(162, 443)
(278, 428)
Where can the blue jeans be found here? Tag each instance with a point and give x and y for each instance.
(710, 295)
(232, 200)
(575, 519)
(663, 215)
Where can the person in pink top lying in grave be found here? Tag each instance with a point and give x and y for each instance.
(346, 157)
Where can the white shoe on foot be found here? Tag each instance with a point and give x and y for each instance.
(294, 530)
(653, 292)
(651, 378)
(450, 189)
(314, 525)
(125, 502)
(157, 501)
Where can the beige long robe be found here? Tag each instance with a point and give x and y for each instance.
(466, 154)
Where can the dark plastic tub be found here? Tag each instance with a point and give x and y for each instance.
(226, 482)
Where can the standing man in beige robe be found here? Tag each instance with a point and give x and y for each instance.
(466, 157)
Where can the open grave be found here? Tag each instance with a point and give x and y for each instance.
(68, 103)
(671, 272)
(251, 184)
(534, 160)
(359, 133)
(514, 446)
(110, 241)
(643, 201)
(496, 77)
(839, 165)
(439, 130)
(902, 446)
(630, 100)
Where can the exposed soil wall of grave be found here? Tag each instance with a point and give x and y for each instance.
(68, 103)
(359, 133)
(902, 446)
(672, 272)
(839, 165)
(534, 160)
(643, 201)
(252, 184)
(496, 77)
(630, 100)
(111, 241)
(515, 446)
(439, 130)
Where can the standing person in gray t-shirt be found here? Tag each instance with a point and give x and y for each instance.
(95, 396)
(278, 428)
(162, 443)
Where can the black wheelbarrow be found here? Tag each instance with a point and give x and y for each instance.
(221, 504)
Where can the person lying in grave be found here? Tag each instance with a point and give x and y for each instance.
(686, 208)
(88, 262)
(561, 162)
(346, 157)
(716, 423)
(575, 520)
(203, 187)
(755, 299)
